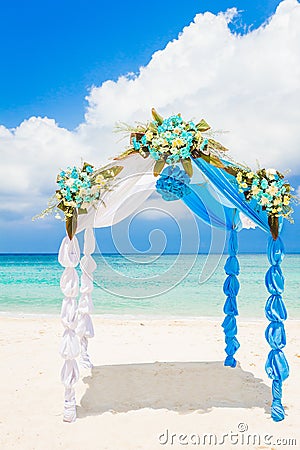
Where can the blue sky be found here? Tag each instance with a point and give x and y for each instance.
(54, 51)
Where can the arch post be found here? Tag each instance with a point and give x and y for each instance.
(231, 288)
(68, 257)
(85, 329)
(277, 366)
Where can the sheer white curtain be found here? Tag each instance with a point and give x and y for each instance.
(131, 188)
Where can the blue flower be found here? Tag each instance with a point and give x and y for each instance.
(173, 184)
(264, 184)
(74, 173)
(154, 154)
(136, 144)
(192, 125)
(89, 169)
(144, 140)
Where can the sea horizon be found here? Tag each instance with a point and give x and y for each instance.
(148, 253)
(151, 285)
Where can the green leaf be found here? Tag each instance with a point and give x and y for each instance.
(216, 145)
(82, 211)
(202, 125)
(85, 165)
(152, 127)
(187, 165)
(116, 170)
(61, 205)
(71, 224)
(158, 167)
(128, 152)
(213, 160)
(159, 119)
(232, 170)
(108, 173)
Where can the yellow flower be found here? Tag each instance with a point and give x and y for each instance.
(250, 175)
(255, 190)
(279, 209)
(72, 203)
(286, 200)
(264, 201)
(277, 201)
(100, 179)
(244, 185)
(177, 143)
(274, 210)
(58, 195)
(272, 190)
(149, 135)
(239, 176)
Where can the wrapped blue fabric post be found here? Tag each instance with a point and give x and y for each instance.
(277, 366)
(231, 288)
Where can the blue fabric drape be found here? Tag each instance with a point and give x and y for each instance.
(277, 366)
(231, 288)
(228, 186)
(204, 205)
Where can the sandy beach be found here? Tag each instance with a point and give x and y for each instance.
(155, 384)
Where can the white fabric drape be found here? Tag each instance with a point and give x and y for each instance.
(133, 186)
(68, 257)
(85, 329)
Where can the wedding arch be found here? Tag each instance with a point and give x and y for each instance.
(181, 161)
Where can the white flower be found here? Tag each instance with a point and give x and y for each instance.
(82, 192)
(272, 190)
(255, 190)
(264, 201)
(270, 173)
(94, 190)
(69, 182)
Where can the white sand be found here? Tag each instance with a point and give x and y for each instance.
(150, 376)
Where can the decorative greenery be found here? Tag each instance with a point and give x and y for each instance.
(172, 140)
(271, 191)
(79, 189)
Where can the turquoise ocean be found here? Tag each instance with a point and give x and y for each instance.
(146, 285)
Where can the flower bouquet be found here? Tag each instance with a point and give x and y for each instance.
(172, 140)
(79, 188)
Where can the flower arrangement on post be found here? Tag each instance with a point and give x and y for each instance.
(172, 140)
(79, 188)
(271, 191)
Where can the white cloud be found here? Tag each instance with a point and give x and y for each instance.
(247, 84)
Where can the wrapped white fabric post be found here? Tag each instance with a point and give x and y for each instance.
(68, 257)
(85, 329)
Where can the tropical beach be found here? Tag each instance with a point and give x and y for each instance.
(149, 225)
(158, 366)
(149, 376)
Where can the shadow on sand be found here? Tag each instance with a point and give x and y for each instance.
(183, 387)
